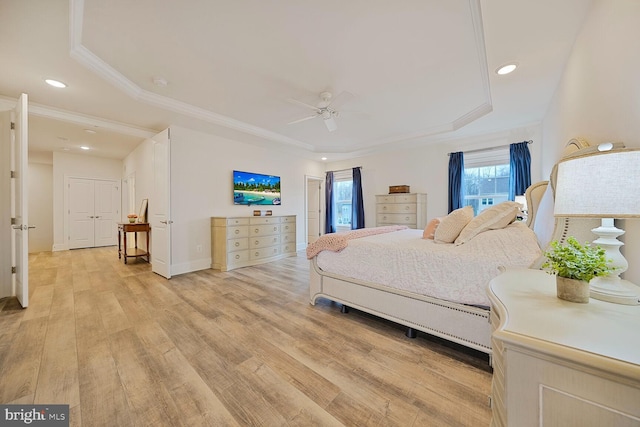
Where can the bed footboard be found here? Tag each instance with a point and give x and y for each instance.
(459, 323)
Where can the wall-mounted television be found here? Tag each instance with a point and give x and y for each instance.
(255, 189)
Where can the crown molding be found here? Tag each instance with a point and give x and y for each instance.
(95, 64)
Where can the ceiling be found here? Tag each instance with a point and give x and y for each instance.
(416, 70)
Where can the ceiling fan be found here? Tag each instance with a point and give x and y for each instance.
(327, 108)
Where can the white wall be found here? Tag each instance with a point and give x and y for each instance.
(40, 206)
(425, 169)
(202, 186)
(76, 166)
(598, 97)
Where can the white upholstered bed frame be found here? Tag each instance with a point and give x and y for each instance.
(459, 323)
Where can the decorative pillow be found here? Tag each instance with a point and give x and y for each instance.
(451, 225)
(493, 218)
(430, 229)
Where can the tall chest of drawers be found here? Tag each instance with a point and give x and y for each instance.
(243, 241)
(408, 209)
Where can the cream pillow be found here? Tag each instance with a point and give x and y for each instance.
(493, 218)
(451, 225)
(430, 229)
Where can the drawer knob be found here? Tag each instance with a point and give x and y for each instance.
(384, 208)
(256, 231)
(406, 208)
(257, 253)
(406, 218)
(237, 256)
(275, 228)
(237, 244)
(257, 242)
(237, 231)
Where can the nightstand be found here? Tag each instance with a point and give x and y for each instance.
(558, 363)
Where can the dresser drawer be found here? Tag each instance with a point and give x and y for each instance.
(397, 208)
(237, 257)
(289, 238)
(288, 248)
(400, 219)
(261, 242)
(237, 244)
(288, 228)
(397, 198)
(237, 232)
(261, 220)
(264, 252)
(264, 230)
(237, 221)
(288, 219)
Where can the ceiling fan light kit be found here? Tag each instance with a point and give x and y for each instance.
(326, 108)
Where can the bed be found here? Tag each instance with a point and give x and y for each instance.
(383, 288)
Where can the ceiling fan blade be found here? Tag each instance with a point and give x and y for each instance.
(340, 100)
(295, 101)
(331, 124)
(303, 119)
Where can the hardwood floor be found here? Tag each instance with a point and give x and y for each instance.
(125, 347)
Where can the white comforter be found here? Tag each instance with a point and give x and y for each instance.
(404, 260)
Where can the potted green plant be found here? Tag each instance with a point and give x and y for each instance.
(574, 265)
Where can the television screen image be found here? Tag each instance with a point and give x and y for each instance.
(255, 189)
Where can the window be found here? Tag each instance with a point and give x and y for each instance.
(486, 178)
(342, 189)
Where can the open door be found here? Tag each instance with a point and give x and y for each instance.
(160, 206)
(19, 198)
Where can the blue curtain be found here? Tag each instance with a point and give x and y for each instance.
(456, 177)
(520, 169)
(329, 226)
(357, 205)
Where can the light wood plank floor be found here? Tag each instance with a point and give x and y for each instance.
(125, 347)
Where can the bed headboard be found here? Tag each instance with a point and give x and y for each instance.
(540, 206)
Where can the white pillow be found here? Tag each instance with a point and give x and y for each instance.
(545, 221)
(493, 218)
(451, 225)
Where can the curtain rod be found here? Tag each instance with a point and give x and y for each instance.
(490, 148)
(348, 169)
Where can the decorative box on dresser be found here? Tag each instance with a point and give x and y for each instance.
(408, 209)
(243, 241)
(558, 363)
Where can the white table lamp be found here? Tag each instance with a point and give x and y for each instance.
(603, 185)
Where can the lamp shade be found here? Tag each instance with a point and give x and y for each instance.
(600, 185)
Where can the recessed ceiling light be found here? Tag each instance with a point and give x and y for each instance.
(323, 158)
(84, 147)
(506, 69)
(90, 131)
(55, 83)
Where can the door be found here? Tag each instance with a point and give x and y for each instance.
(159, 206)
(94, 211)
(6, 208)
(107, 212)
(20, 199)
(314, 186)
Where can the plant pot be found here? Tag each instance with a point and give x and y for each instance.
(132, 220)
(572, 289)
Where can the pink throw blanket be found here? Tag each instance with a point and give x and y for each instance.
(338, 241)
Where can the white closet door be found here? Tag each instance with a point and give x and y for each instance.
(106, 212)
(81, 213)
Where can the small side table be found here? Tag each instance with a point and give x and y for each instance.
(133, 227)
